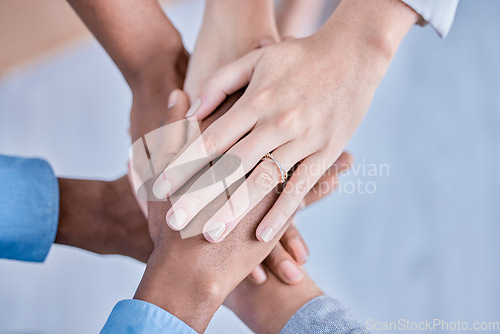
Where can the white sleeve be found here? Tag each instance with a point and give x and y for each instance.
(439, 13)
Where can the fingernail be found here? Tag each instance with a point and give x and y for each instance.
(290, 270)
(161, 188)
(194, 108)
(299, 250)
(259, 275)
(267, 234)
(216, 230)
(172, 99)
(177, 219)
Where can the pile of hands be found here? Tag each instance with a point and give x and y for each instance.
(244, 92)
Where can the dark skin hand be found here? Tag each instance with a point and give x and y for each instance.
(183, 275)
(147, 49)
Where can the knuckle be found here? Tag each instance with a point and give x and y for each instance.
(301, 189)
(210, 144)
(266, 180)
(288, 120)
(262, 97)
(281, 216)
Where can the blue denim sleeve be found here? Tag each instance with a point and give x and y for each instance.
(133, 316)
(29, 208)
(323, 315)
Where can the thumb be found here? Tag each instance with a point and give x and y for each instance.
(178, 105)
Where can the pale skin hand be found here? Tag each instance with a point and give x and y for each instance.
(305, 98)
(230, 29)
(291, 252)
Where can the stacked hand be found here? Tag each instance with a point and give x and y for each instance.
(186, 274)
(302, 101)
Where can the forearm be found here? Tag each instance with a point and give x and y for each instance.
(136, 34)
(230, 29)
(248, 21)
(370, 31)
(102, 217)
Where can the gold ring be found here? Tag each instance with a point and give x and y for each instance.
(284, 174)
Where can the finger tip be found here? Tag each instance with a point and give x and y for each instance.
(265, 234)
(290, 272)
(209, 238)
(174, 228)
(258, 275)
(161, 188)
(303, 260)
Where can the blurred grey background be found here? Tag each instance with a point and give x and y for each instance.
(423, 245)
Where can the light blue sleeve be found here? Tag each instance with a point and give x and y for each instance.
(134, 316)
(440, 14)
(29, 208)
(323, 315)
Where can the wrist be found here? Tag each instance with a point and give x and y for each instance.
(159, 62)
(171, 285)
(80, 211)
(150, 93)
(102, 217)
(372, 30)
(243, 23)
(165, 69)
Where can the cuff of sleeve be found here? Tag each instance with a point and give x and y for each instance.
(136, 316)
(439, 14)
(29, 208)
(322, 315)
